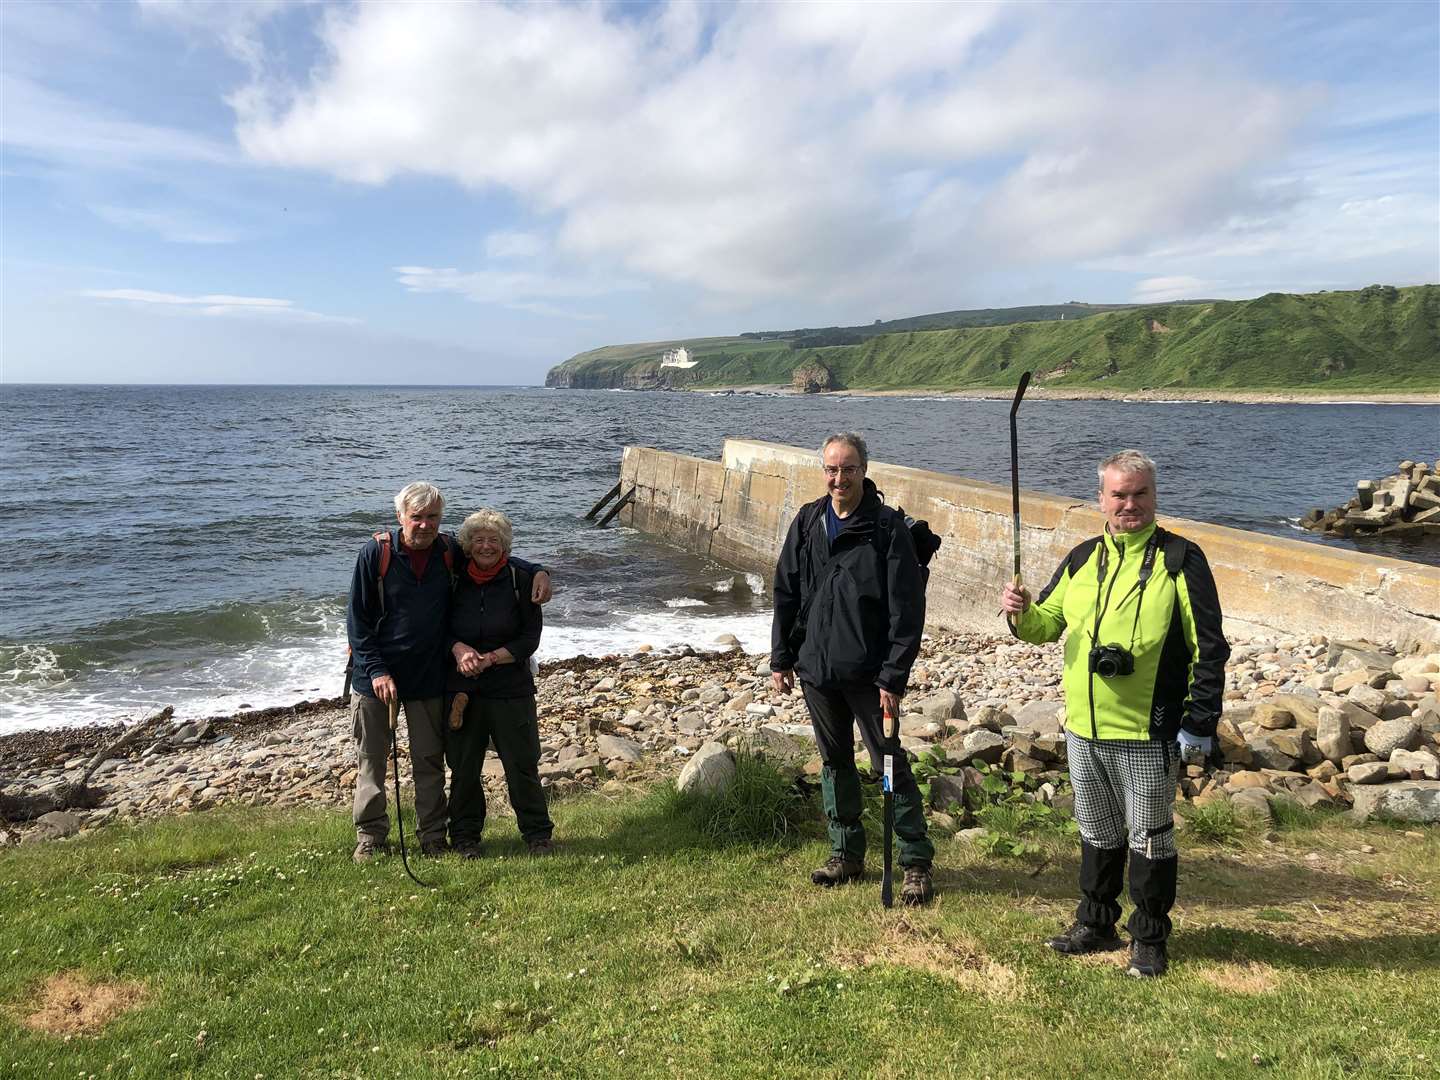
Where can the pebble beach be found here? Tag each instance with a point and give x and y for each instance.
(1349, 725)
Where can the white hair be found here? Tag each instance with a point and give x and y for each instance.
(1127, 462)
(417, 496)
(486, 520)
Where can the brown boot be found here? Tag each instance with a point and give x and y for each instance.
(837, 871)
(457, 711)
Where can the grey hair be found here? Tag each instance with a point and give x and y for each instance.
(852, 439)
(1127, 462)
(486, 520)
(417, 496)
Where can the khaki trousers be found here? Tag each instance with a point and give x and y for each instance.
(424, 722)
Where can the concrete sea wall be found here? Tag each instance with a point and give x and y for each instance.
(737, 511)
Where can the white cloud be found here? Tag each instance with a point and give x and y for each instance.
(1160, 290)
(176, 226)
(56, 127)
(855, 152)
(513, 245)
(523, 290)
(217, 304)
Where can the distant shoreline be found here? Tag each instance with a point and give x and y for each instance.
(1243, 397)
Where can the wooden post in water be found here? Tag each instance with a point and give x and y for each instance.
(603, 500)
(624, 502)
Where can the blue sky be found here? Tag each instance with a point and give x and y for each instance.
(471, 193)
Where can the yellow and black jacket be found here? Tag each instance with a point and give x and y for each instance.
(1150, 592)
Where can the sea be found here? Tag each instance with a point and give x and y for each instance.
(193, 545)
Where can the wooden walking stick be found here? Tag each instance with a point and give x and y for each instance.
(887, 783)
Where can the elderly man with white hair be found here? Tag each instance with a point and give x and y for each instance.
(397, 621)
(1144, 679)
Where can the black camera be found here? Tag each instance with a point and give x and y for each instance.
(1111, 661)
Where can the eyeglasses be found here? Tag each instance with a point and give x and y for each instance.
(841, 470)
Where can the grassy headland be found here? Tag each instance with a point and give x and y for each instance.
(244, 943)
(1374, 340)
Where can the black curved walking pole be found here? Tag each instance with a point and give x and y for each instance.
(1015, 471)
(887, 784)
(399, 816)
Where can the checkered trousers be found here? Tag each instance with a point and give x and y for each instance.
(1125, 789)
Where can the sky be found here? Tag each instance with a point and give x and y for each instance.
(312, 192)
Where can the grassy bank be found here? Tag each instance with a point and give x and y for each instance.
(1374, 340)
(246, 944)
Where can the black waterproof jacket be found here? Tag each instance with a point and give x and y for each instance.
(496, 615)
(850, 612)
(405, 633)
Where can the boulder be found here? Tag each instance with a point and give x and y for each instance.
(710, 771)
(1413, 761)
(1041, 717)
(1242, 781)
(1305, 710)
(1296, 744)
(1332, 734)
(55, 825)
(1387, 736)
(1268, 755)
(944, 705)
(1411, 800)
(947, 790)
(983, 745)
(1252, 804)
(1273, 717)
(1368, 698)
(780, 745)
(1314, 795)
(993, 719)
(1368, 772)
(1233, 747)
(616, 747)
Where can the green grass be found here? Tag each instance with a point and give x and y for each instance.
(648, 947)
(1375, 339)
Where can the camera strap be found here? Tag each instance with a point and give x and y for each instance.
(1147, 567)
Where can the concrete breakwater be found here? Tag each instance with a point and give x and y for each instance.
(738, 509)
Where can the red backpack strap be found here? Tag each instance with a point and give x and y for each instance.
(383, 539)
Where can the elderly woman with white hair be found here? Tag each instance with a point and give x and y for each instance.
(494, 630)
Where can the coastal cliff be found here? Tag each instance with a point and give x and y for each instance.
(1370, 340)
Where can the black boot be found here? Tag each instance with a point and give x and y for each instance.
(1152, 888)
(1102, 875)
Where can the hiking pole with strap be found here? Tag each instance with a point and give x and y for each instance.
(887, 785)
(399, 816)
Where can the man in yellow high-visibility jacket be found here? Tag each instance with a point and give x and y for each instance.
(1144, 679)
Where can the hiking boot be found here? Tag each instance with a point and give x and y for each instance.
(541, 846)
(457, 711)
(1083, 938)
(838, 870)
(468, 849)
(368, 848)
(919, 888)
(1146, 960)
(433, 848)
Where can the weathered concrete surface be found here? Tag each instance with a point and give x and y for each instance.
(738, 509)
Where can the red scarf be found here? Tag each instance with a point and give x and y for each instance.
(480, 577)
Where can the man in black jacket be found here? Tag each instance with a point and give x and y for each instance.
(397, 621)
(849, 610)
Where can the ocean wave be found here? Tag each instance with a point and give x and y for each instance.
(685, 601)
